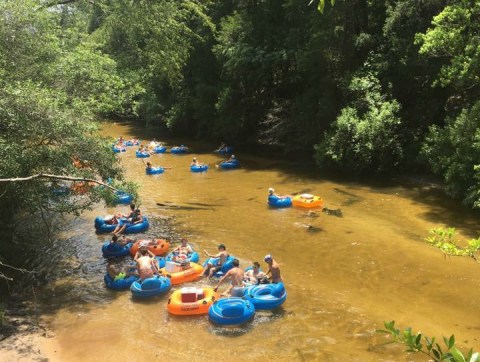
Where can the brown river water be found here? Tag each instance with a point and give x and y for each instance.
(344, 275)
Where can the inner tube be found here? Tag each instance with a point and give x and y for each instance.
(188, 274)
(121, 197)
(193, 257)
(177, 150)
(199, 168)
(160, 149)
(156, 246)
(191, 301)
(225, 267)
(115, 250)
(102, 227)
(119, 284)
(150, 287)
(141, 154)
(132, 142)
(266, 296)
(275, 201)
(154, 170)
(224, 150)
(231, 311)
(228, 165)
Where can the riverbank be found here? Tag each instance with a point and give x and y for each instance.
(23, 339)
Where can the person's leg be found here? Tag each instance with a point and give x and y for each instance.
(207, 268)
(213, 270)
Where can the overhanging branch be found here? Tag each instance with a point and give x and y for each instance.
(56, 177)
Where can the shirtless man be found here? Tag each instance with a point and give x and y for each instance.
(273, 269)
(254, 275)
(236, 279)
(181, 252)
(116, 273)
(146, 263)
(222, 256)
(122, 241)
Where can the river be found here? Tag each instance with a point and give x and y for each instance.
(344, 275)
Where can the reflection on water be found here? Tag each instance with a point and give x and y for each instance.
(360, 262)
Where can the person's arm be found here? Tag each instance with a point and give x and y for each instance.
(221, 281)
(140, 220)
(137, 255)
(208, 254)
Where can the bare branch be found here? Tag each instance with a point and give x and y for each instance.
(3, 276)
(56, 177)
(12, 267)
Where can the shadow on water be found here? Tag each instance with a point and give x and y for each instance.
(67, 272)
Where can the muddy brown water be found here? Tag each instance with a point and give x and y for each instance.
(344, 275)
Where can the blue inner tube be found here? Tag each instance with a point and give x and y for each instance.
(120, 284)
(181, 149)
(160, 149)
(113, 249)
(118, 149)
(266, 296)
(276, 201)
(225, 267)
(231, 311)
(199, 168)
(154, 170)
(161, 261)
(103, 227)
(228, 165)
(193, 257)
(121, 197)
(150, 287)
(225, 150)
(132, 143)
(142, 154)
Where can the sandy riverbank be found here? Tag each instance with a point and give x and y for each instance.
(23, 340)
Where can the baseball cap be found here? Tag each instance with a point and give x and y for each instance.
(268, 258)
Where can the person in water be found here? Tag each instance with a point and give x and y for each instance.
(147, 265)
(236, 279)
(254, 275)
(136, 218)
(273, 269)
(212, 267)
(271, 192)
(122, 241)
(195, 162)
(117, 273)
(180, 253)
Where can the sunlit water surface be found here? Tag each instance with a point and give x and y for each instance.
(344, 275)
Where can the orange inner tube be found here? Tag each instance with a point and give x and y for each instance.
(156, 246)
(315, 201)
(183, 276)
(201, 306)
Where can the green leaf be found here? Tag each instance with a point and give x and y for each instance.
(451, 341)
(456, 354)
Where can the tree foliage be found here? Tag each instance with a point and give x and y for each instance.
(365, 135)
(418, 343)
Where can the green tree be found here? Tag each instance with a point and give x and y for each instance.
(365, 135)
(453, 152)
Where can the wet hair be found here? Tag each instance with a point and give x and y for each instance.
(183, 239)
(222, 246)
(144, 250)
(236, 262)
(132, 206)
(114, 238)
(256, 264)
